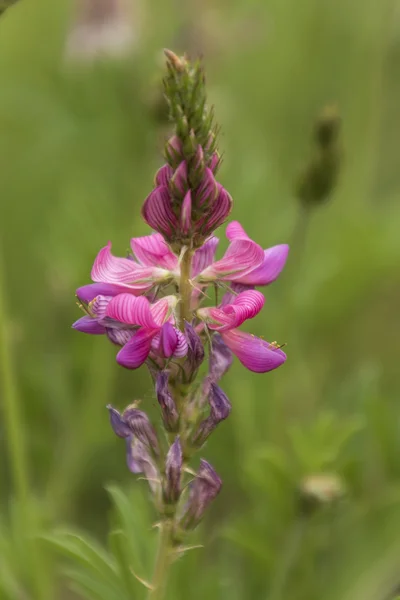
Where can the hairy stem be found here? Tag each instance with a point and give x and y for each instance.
(163, 561)
(185, 288)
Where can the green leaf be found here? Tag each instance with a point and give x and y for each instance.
(91, 588)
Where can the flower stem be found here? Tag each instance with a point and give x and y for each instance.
(163, 562)
(185, 288)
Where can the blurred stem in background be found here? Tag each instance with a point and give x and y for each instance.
(17, 452)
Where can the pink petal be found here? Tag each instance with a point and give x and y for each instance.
(218, 212)
(268, 271)
(161, 309)
(157, 211)
(135, 352)
(241, 257)
(152, 251)
(204, 256)
(181, 346)
(132, 310)
(89, 325)
(168, 340)
(163, 175)
(235, 230)
(98, 306)
(111, 269)
(245, 306)
(254, 353)
(186, 213)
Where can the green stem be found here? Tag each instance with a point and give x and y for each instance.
(185, 288)
(163, 562)
(16, 448)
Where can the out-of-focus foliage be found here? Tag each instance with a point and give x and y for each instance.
(78, 149)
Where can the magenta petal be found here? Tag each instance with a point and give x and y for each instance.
(87, 293)
(207, 190)
(235, 230)
(274, 261)
(163, 175)
(168, 340)
(241, 257)
(112, 269)
(89, 325)
(204, 256)
(135, 352)
(157, 211)
(181, 348)
(179, 181)
(254, 353)
(186, 213)
(161, 309)
(219, 211)
(119, 336)
(245, 306)
(132, 310)
(152, 251)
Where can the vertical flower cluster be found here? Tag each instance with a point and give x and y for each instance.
(152, 305)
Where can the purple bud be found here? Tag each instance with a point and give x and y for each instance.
(164, 175)
(121, 429)
(174, 151)
(157, 211)
(203, 490)
(218, 212)
(198, 166)
(207, 190)
(140, 426)
(195, 353)
(220, 408)
(215, 162)
(168, 340)
(139, 460)
(186, 214)
(221, 358)
(173, 470)
(168, 409)
(179, 181)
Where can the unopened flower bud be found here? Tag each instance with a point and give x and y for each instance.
(221, 358)
(186, 213)
(139, 460)
(197, 166)
(215, 162)
(207, 191)
(203, 490)
(134, 422)
(217, 213)
(173, 471)
(168, 409)
(163, 175)
(195, 353)
(174, 151)
(179, 181)
(220, 408)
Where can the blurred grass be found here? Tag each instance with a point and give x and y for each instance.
(78, 150)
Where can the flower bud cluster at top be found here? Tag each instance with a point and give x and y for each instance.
(152, 305)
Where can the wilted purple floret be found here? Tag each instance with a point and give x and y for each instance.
(134, 422)
(139, 460)
(195, 353)
(173, 470)
(220, 358)
(168, 409)
(203, 490)
(220, 408)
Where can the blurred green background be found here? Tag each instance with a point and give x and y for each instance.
(79, 146)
